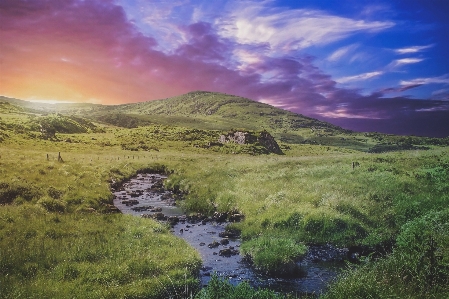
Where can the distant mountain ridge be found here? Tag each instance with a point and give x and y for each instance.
(203, 105)
(219, 111)
(216, 113)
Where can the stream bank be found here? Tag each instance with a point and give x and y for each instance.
(145, 196)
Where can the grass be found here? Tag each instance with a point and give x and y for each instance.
(223, 289)
(418, 267)
(56, 235)
(275, 255)
(83, 255)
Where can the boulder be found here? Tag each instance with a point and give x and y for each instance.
(159, 216)
(130, 202)
(173, 220)
(227, 252)
(230, 234)
(263, 138)
(214, 244)
(220, 217)
(236, 218)
(111, 209)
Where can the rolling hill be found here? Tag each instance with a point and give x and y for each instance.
(212, 111)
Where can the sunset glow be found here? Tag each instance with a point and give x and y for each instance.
(385, 62)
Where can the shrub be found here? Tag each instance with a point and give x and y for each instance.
(275, 255)
(223, 289)
(10, 191)
(51, 204)
(340, 229)
(423, 245)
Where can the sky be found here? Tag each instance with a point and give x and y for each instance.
(379, 65)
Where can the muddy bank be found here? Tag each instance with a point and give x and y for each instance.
(144, 196)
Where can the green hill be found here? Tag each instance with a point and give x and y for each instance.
(211, 110)
(386, 202)
(213, 113)
(218, 111)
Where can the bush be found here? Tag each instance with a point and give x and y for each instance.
(417, 268)
(52, 205)
(275, 255)
(10, 191)
(223, 289)
(342, 229)
(423, 245)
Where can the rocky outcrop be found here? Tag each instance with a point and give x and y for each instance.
(262, 138)
(267, 141)
(238, 137)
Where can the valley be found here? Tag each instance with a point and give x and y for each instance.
(384, 196)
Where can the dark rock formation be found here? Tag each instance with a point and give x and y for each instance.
(267, 141)
(214, 244)
(173, 220)
(229, 234)
(130, 202)
(111, 209)
(220, 217)
(236, 217)
(227, 252)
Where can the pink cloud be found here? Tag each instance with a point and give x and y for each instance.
(84, 51)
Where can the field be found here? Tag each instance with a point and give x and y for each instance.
(59, 237)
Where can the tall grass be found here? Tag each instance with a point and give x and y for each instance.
(90, 256)
(55, 241)
(223, 289)
(418, 267)
(319, 199)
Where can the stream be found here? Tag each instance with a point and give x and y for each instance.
(145, 196)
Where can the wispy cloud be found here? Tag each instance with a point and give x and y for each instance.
(287, 30)
(78, 50)
(341, 52)
(431, 80)
(414, 49)
(441, 94)
(399, 89)
(403, 61)
(441, 91)
(360, 77)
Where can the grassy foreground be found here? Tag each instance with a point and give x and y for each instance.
(58, 240)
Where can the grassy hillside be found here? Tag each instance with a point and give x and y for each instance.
(217, 111)
(395, 196)
(210, 111)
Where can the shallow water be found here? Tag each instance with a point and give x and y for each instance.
(144, 196)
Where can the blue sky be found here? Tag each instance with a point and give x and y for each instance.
(364, 65)
(371, 46)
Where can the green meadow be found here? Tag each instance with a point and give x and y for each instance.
(60, 236)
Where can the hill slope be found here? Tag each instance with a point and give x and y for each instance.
(218, 106)
(212, 112)
(217, 111)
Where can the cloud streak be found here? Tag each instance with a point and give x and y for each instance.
(360, 77)
(431, 80)
(413, 49)
(404, 61)
(287, 30)
(341, 52)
